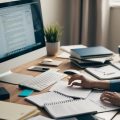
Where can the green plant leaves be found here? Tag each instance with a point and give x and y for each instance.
(52, 33)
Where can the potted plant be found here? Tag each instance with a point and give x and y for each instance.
(52, 34)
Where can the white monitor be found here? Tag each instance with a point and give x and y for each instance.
(21, 33)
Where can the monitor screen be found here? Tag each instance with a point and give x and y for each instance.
(21, 28)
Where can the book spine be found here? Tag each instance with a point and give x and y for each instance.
(74, 54)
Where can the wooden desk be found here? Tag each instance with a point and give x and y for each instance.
(14, 90)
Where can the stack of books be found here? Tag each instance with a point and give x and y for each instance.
(91, 56)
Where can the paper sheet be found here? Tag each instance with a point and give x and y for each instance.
(75, 92)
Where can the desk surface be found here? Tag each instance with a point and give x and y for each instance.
(14, 90)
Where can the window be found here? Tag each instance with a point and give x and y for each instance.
(114, 3)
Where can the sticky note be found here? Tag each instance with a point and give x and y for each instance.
(25, 93)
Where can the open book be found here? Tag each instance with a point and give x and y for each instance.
(75, 92)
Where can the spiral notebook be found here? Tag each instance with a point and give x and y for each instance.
(70, 108)
(48, 97)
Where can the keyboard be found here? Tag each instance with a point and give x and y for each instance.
(43, 80)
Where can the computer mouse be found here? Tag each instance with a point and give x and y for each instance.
(72, 72)
(47, 60)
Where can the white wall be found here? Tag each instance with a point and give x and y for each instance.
(114, 33)
(57, 11)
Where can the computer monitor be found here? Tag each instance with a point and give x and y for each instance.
(21, 33)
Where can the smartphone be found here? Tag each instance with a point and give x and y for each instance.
(38, 68)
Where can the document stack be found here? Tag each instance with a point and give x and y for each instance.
(91, 56)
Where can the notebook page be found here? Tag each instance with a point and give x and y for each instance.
(105, 72)
(70, 108)
(106, 115)
(95, 98)
(48, 97)
(76, 92)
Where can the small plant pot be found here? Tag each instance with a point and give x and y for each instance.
(52, 48)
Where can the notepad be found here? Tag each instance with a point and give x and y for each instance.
(13, 111)
(105, 72)
(75, 92)
(48, 97)
(100, 106)
(70, 108)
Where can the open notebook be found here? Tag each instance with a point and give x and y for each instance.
(13, 111)
(105, 72)
(75, 92)
(48, 97)
(79, 107)
(70, 108)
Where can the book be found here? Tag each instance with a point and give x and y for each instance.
(70, 108)
(48, 97)
(90, 52)
(88, 63)
(13, 111)
(75, 92)
(105, 72)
